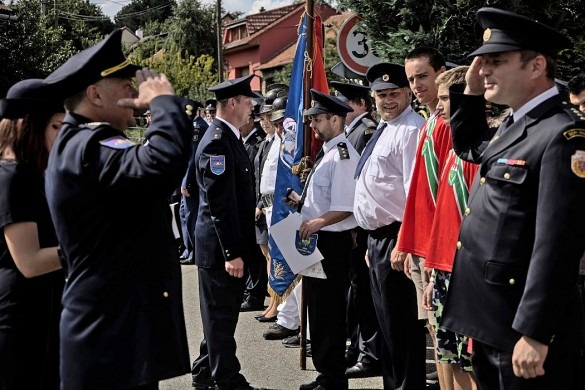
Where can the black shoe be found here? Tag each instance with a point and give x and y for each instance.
(292, 341)
(266, 319)
(361, 370)
(200, 384)
(251, 306)
(309, 386)
(279, 332)
(188, 261)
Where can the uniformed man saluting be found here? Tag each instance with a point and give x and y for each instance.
(122, 325)
(522, 235)
(224, 235)
(326, 207)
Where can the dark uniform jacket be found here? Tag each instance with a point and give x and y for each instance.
(225, 222)
(253, 142)
(522, 235)
(361, 132)
(189, 181)
(122, 323)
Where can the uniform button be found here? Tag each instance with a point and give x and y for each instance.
(512, 281)
(482, 181)
(166, 294)
(507, 176)
(459, 245)
(467, 211)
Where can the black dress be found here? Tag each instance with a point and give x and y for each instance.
(29, 308)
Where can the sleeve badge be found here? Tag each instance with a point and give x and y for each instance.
(578, 163)
(117, 142)
(217, 164)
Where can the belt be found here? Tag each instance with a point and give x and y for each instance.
(386, 230)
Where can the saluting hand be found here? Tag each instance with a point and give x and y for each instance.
(150, 85)
(474, 81)
(235, 267)
(528, 358)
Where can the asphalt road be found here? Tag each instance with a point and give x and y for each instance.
(264, 363)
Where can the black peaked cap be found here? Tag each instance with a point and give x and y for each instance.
(385, 75)
(102, 60)
(326, 104)
(507, 31)
(233, 88)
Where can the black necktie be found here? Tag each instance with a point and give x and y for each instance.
(369, 148)
(305, 189)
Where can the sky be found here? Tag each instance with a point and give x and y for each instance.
(111, 7)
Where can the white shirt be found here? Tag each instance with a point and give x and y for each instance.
(232, 127)
(331, 187)
(251, 133)
(535, 101)
(268, 174)
(383, 184)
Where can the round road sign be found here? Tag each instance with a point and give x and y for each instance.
(353, 47)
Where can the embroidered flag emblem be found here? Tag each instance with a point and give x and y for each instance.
(217, 164)
(306, 247)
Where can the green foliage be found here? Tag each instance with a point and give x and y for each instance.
(83, 23)
(190, 76)
(139, 12)
(397, 26)
(31, 46)
(192, 29)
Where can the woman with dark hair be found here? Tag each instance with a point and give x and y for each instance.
(31, 282)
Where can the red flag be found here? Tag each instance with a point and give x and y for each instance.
(319, 76)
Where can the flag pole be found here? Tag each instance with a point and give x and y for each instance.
(309, 9)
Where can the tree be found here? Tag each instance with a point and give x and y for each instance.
(83, 23)
(191, 76)
(140, 12)
(31, 46)
(192, 29)
(397, 26)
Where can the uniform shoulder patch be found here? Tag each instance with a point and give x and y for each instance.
(117, 142)
(572, 133)
(578, 163)
(217, 164)
(343, 152)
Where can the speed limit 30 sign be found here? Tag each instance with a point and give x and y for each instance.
(353, 47)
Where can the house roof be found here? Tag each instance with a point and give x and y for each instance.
(4, 8)
(287, 55)
(256, 22)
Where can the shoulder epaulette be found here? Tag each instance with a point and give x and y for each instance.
(217, 134)
(370, 123)
(574, 112)
(343, 152)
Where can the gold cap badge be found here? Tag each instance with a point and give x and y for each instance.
(385, 77)
(312, 103)
(487, 34)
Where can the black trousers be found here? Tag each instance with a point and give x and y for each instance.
(493, 369)
(362, 324)
(394, 296)
(150, 386)
(326, 306)
(220, 297)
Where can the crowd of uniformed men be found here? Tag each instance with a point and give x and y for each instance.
(465, 224)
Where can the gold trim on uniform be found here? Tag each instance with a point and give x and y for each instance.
(116, 68)
(189, 109)
(578, 163)
(569, 134)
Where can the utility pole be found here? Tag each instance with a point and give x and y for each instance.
(56, 12)
(43, 8)
(219, 42)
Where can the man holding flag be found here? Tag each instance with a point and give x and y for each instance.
(326, 206)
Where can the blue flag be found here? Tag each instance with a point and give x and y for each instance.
(291, 152)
